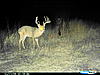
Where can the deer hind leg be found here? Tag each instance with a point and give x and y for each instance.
(20, 43)
(23, 42)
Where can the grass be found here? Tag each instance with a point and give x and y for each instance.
(77, 48)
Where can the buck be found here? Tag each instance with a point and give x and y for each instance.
(33, 32)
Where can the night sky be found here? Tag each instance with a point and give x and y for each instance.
(25, 11)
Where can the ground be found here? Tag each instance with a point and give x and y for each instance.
(70, 52)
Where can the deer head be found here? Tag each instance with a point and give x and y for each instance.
(42, 27)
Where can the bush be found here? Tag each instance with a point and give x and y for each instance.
(77, 30)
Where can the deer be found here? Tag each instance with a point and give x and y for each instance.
(32, 32)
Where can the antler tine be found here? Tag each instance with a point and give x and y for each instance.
(36, 20)
(47, 20)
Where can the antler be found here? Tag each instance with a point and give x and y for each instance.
(46, 19)
(36, 20)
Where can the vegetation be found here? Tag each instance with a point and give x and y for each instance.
(77, 48)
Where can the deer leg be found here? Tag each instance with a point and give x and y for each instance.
(20, 43)
(33, 41)
(23, 42)
(37, 42)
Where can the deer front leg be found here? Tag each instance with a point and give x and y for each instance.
(37, 42)
(33, 40)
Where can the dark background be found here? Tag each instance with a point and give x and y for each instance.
(24, 12)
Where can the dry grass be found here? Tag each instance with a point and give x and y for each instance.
(76, 49)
